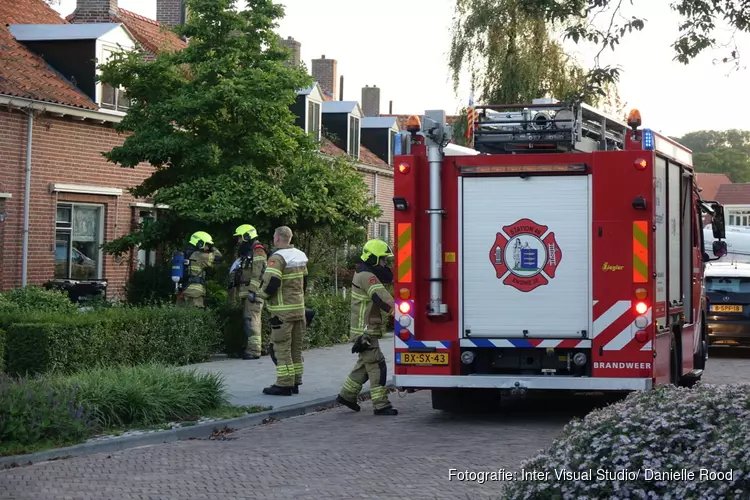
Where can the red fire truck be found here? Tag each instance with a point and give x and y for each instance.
(563, 252)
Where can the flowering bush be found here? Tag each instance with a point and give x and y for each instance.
(670, 443)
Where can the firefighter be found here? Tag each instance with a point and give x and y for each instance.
(252, 256)
(199, 256)
(283, 288)
(369, 297)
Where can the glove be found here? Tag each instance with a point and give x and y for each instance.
(361, 344)
(392, 313)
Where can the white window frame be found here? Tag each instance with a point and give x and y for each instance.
(146, 258)
(387, 225)
(100, 236)
(739, 217)
(358, 134)
(311, 120)
(108, 47)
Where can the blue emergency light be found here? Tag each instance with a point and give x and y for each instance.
(648, 139)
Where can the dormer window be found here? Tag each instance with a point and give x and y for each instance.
(313, 119)
(354, 136)
(109, 97)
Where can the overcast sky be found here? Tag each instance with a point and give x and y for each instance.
(402, 46)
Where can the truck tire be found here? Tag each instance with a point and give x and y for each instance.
(445, 399)
(674, 362)
(701, 357)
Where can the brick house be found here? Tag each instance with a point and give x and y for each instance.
(55, 121)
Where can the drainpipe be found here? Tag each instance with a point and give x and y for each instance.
(27, 196)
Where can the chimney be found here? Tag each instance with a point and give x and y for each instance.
(371, 100)
(171, 13)
(341, 88)
(94, 11)
(324, 72)
(296, 48)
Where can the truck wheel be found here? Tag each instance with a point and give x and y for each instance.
(445, 399)
(700, 358)
(674, 362)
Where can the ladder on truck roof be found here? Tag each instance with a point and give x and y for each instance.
(546, 126)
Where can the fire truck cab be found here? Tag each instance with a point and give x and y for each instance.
(563, 252)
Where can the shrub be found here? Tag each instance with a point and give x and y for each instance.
(143, 395)
(36, 299)
(122, 335)
(31, 413)
(703, 429)
(151, 285)
(330, 326)
(2, 351)
(58, 409)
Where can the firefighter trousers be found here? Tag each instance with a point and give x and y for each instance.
(252, 326)
(286, 337)
(184, 301)
(370, 365)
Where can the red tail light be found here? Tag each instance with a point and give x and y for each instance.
(641, 308)
(641, 336)
(404, 334)
(404, 307)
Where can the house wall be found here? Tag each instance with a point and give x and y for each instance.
(383, 196)
(63, 151)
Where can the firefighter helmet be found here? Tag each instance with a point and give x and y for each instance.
(247, 232)
(199, 239)
(377, 248)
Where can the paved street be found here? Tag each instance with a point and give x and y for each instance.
(334, 454)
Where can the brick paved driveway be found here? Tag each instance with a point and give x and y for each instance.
(335, 454)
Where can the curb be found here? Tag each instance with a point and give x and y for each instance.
(198, 431)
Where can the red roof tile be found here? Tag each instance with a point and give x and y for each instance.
(23, 73)
(734, 194)
(150, 34)
(710, 183)
(365, 155)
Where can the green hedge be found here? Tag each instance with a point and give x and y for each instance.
(127, 335)
(330, 326)
(2, 351)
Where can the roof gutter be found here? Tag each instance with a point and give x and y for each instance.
(59, 110)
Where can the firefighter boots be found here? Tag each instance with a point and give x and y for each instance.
(352, 405)
(386, 411)
(277, 390)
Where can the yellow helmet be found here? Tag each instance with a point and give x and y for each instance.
(200, 238)
(247, 232)
(376, 247)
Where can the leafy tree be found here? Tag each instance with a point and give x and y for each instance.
(509, 53)
(700, 21)
(720, 152)
(214, 120)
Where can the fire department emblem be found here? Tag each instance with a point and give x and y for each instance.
(527, 254)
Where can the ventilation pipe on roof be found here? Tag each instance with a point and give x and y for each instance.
(390, 107)
(26, 197)
(341, 89)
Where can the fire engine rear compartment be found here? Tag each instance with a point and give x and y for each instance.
(525, 247)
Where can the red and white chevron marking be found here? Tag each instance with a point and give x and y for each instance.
(615, 329)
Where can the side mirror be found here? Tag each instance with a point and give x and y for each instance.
(717, 223)
(720, 248)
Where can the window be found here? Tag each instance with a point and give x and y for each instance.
(146, 257)
(354, 137)
(384, 231)
(739, 218)
(78, 239)
(313, 119)
(727, 284)
(111, 98)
